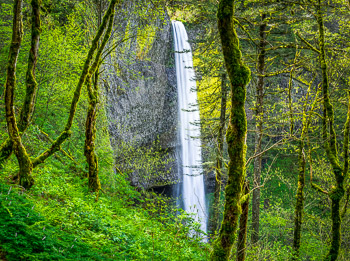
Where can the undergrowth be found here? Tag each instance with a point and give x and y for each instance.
(58, 219)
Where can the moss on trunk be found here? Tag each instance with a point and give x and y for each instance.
(299, 206)
(243, 225)
(90, 124)
(239, 76)
(25, 165)
(330, 143)
(89, 148)
(31, 84)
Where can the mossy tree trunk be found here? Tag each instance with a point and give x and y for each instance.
(219, 157)
(31, 84)
(25, 164)
(329, 138)
(90, 135)
(243, 226)
(259, 114)
(299, 206)
(239, 76)
(90, 124)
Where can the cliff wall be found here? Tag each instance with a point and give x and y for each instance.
(141, 99)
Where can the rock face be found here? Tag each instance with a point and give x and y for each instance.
(142, 107)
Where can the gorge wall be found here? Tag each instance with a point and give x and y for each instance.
(141, 96)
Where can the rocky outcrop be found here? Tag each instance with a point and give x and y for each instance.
(142, 106)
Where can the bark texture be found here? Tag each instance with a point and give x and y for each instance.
(90, 135)
(243, 225)
(31, 84)
(239, 76)
(219, 157)
(90, 124)
(259, 114)
(25, 165)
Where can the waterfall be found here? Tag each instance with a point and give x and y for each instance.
(190, 150)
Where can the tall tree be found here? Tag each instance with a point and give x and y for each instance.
(330, 143)
(340, 165)
(300, 199)
(90, 124)
(239, 76)
(220, 155)
(25, 163)
(259, 114)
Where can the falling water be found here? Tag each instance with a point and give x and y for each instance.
(193, 183)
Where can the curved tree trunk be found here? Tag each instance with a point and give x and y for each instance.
(31, 84)
(239, 76)
(25, 165)
(90, 124)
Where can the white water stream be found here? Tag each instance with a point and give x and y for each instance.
(191, 159)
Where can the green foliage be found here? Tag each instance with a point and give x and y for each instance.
(26, 235)
(144, 164)
(114, 228)
(274, 251)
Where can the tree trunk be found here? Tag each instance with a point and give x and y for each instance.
(243, 224)
(239, 76)
(299, 206)
(90, 125)
(329, 136)
(31, 84)
(259, 114)
(219, 157)
(90, 135)
(25, 166)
